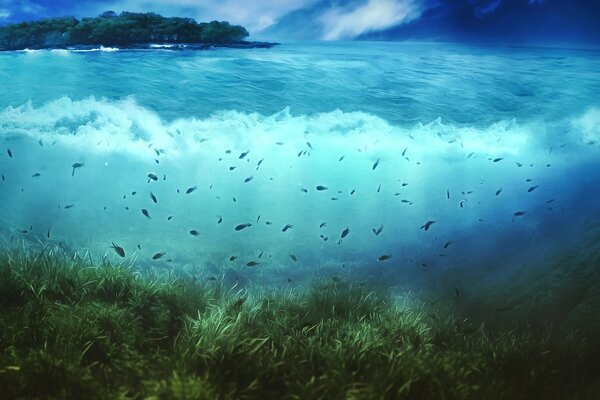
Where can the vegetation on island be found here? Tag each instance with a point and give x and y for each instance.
(72, 330)
(110, 29)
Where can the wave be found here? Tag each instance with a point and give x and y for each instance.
(253, 168)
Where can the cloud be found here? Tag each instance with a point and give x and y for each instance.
(343, 22)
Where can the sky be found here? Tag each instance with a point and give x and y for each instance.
(487, 21)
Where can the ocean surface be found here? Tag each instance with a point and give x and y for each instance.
(408, 163)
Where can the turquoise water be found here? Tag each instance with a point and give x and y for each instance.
(499, 146)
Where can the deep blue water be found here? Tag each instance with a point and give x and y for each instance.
(463, 136)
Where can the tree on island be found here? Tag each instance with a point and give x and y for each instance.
(110, 29)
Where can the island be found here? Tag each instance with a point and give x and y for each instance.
(126, 30)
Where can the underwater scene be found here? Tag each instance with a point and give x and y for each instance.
(302, 220)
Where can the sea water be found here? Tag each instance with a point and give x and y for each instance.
(437, 162)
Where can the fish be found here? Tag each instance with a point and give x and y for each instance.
(261, 254)
(237, 306)
(243, 226)
(194, 232)
(118, 249)
(191, 189)
(259, 162)
(379, 188)
(519, 213)
(252, 263)
(384, 257)
(244, 154)
(9, 153)
(3, 178)
(285, 228)
(139, 247)
(37, 174)
(75, 166)
(345, 233)
(447, 244)
(448, 193)
(470, 155)
(456, 292)
(170, 217)
(304, 190)
(48, 234)
(404, 152)
(427, 225)
(146, 213)
(232, 168)
(334, 198)
(323, 224)
(248, 179)
(220, 219)
(352, 192)
(531, 189)
(300, 153)
(293, 257)
(462, 203)
(498, 159)
(519, 164)
(375, 165)
(309, 145)
(152, 177)
(133, 193)
(341, 158)
(153, 197)
(378, 230)
(320, 188)
(232, 258)
(268, 223)
(550, 201)
(498, 191)
(158, 255)
(69, 206)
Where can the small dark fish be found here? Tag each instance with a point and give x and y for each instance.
(243, 226)
(404, 152)
(261, 254)
(37, 174)
(448, 193)
(550, 201)
(69, 206)
(232, 258)
(191, 189)
(309, 145)
(157, 152)
(3, 178)
(234, 200)
(146, 213)
(334, 198)
(139, 247)
(268, 223)
(259, 162)
(519, 164)
(158, 255)
(528, 180)
(447, 244)
(220, 219)
(232, 168)
(519, 213)
(41, 143)
(304, 190)
(237, 306)
(252, 263)
(170, 217)
(375, 165)
(379, 188)
(244, 154)
(285, 228)
(456, 293)
(531, 189)
(153, 197)
(345, 233)
(118, 249)
(227, 151)
(498, 159)
(293, 257)
(133, 193)
(152, 177)
(427, 225)
(75, 166)
(470, 155)
(299, 154)
(341, 158)
(498, 192)
(323, 224)
(320, 188)
(257, 219)
(48, 234)
(384, 257)
(378, 230)
(194, 232)
(9, 153)
(248, 179)
(289, 280)
(164, 177)
(352, 192)
(462, 203)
